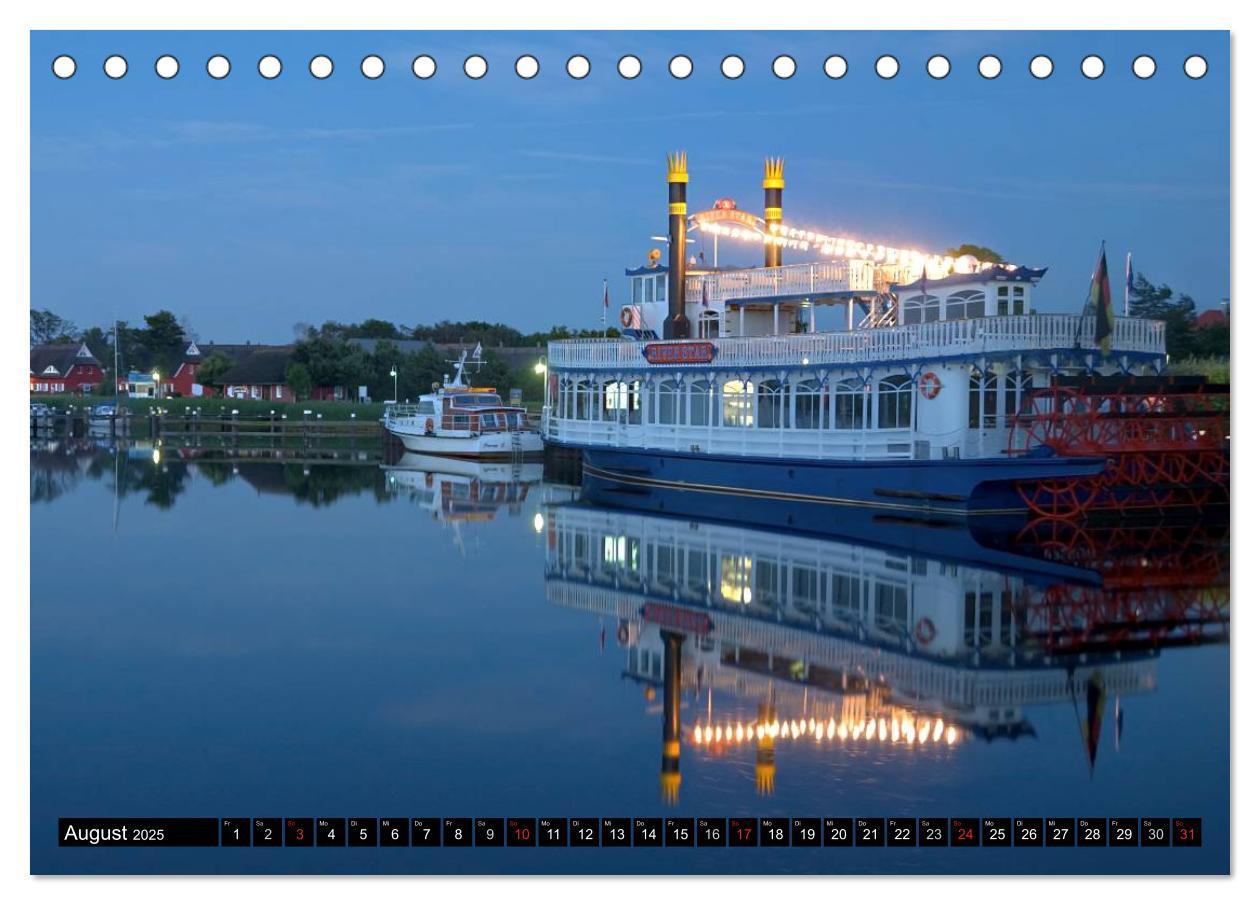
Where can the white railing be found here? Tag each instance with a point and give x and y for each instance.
(794, 279)
(1013, 333)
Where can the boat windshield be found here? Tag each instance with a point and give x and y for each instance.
(474, 400)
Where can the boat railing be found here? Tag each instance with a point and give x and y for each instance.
(793, 279)
(1013, 333)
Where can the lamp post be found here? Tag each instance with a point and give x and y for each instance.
(157, 386)
(393, 372)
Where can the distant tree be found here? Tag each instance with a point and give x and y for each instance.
(47, 327)
(375, 328)
(980, 252)
(298, 379)
(1157, 303)
(1211, 342)
(163, 338)
(212, 368)
(101, 344)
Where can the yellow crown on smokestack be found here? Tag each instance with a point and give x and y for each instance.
(677, 163)
(774, 173)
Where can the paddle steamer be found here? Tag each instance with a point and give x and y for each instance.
(722, 382)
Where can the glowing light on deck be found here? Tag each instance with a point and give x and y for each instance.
(831, 246)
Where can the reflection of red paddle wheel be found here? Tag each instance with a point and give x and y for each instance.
(1161, 585)
(1079, 619)
(1165, 439)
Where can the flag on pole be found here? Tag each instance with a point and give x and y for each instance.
(1100, 302)
(704, 292)
(1128, 281)
(603, 318)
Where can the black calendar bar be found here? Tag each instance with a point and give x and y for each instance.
(633, 832)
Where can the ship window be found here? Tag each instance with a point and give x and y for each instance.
(982, 400)
(850, 405)
(737, 403)
(1018, 385)
(1004, 300)
(427, 408)
(616, 399)
(896, 397)
(921, 309)
(805, 588)
(633, 394)
(669, 402)
(735, 577)
(1017, 300)
(770, 396)
(636, 290)
(964, 304)
(892, 606)
(846, 595)
(700, 397)
(807, 404)
(660, 287)
(582, 410)
(710, 325)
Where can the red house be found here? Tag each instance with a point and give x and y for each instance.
(184, 381)
(64, 368)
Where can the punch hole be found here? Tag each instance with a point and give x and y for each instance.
(115, 66)
(1092, 67)
(270, 66)
(578, 66)
(166, 66)
(1144, 66)
(938, 66)
(1041, 66)
(423, 66)
(990, 66)
(64, 66)
(732, 66)
(784, 67)
(887, 66)
(629, 67)
(218, 66)
(835, 66)
(475, 66)
(527, 66)
(1195, 66)
(680, 66)
(321, 66)
(372, 66)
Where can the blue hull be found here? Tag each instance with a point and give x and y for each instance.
(956, 487)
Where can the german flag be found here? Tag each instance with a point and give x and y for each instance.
(1100, 302)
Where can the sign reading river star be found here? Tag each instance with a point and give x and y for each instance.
(679, 353)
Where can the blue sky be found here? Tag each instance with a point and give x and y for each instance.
(251, 205)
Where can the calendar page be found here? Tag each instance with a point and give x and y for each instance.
(630, 452)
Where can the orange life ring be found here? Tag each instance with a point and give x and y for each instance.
(627, 316)
(924, 631)
(930, 385)
(623, 634)
(428, 425)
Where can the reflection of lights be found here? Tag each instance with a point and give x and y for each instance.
(539, 523)
(896, 728)
(157, 456)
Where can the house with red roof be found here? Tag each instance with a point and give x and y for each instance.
(64, 368)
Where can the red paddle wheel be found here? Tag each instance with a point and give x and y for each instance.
(1166, 441)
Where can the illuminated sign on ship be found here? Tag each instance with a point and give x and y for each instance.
(679, 353)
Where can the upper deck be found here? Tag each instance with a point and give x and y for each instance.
(930, 341)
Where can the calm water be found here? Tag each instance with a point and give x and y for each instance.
(218, 638)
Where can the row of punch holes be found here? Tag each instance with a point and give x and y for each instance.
(629, 66)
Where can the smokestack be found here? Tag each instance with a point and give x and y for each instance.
(676, 326)
(773, 185)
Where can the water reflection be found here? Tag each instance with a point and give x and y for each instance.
(935, 638)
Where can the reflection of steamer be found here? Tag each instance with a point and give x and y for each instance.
(821, 640)
(456, 490)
